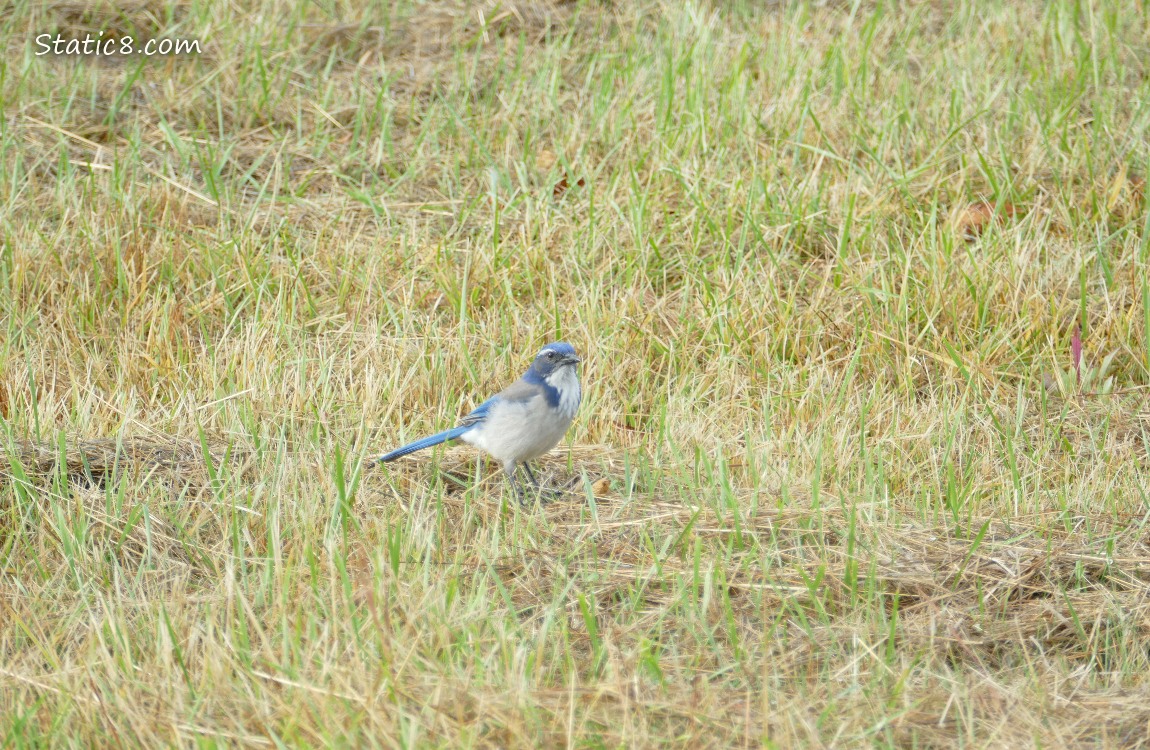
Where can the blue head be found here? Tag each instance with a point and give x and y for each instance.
(552, 360)
(554, 369)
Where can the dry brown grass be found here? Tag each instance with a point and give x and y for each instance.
(838, 479)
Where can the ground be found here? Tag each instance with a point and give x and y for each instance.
(862, 294)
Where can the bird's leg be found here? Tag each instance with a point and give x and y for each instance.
(530, 474)
(550, 494)
(509, 470)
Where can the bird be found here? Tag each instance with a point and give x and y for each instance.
(524, 420)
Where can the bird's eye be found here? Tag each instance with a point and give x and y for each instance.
(550, 355)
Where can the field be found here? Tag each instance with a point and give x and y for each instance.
(862, 294)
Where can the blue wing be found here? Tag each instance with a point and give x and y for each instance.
(516, 393)
(478, 414)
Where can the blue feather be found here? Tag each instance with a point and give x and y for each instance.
(478, 414)
(550, 392)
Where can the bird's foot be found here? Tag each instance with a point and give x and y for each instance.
(548, 494)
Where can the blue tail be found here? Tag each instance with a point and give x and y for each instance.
(427, 442)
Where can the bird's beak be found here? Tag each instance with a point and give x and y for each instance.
(572, 359)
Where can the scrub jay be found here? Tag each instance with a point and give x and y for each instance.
(524, 420)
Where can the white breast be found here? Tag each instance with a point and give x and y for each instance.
(518, 430)
(566, 381)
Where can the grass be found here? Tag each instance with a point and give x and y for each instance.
(840, 477)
